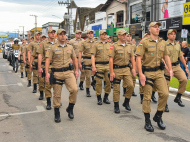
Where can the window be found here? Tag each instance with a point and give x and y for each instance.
(136, 13)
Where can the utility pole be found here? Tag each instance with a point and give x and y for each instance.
(35, 22)
(143, 17)
(68, 3)
(23, 31)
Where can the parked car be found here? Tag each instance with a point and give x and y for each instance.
(6, 48)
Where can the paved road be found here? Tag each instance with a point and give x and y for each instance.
(23, 117)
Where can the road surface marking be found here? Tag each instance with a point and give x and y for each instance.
(19, 84)
(39, 109)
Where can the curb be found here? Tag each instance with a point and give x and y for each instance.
(173, 90)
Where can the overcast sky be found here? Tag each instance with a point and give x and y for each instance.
(15, 13)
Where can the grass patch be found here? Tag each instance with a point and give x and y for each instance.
(175, 83)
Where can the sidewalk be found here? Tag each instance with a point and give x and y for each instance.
(173, 90)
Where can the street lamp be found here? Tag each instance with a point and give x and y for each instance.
(35, 21)
(23, 30)
(56, 16)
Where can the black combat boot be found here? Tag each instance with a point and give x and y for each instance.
(116, 107)
(88, 92)
(141, 95)
(134, 94)
(41, 95)
(153, 97)
(81, 85)
(26, 73)
(99, 100)
(124, 91)
(166, 108)
(126, 104)
(178, 100)
(29, 83)
(35, 88)
(21, 74)
(57, 115)
(106, 100)
(158, 118)
(70, 110)
(48, 107)
(148, 125)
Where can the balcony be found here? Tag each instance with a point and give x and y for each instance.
(119, 25)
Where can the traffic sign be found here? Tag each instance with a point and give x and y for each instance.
(186, 13)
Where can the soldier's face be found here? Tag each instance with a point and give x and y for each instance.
(122, 37)
(155, 30)
(90, 35)
(109, 39)
(51, 35)
(78, 35)
(128, 38)
(103, 36)
(62, 36)
(43, 38)
(37, 37)
(31, 39)
(172, 36)
(23, 41)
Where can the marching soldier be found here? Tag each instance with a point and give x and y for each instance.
(85, 50)
(20, 57)
(152, 50)
(61, 54)
(76, 43)
(120, 53)
(26, 62)
(42, 37)
(34, 59)
(100, 66)
(48, 43)
(134, 47)
(175, 53)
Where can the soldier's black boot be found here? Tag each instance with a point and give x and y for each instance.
(26, 73)
(35, 88)
(116, 107)
(124, 91)
(153, 97)
(106, 100)
(148, 125)
(81, 85)
(166, 108)
(70, 110)
(48, 107)
(29, 83)
(141, 95)
(21, 74)
(57, 115)
(88, 92)
(178, 100)
(126, 104)
(41, 95)
(99, 100)
(158, 118)
(134, 94)
(104, 84)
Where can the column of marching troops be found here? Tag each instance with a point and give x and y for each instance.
(57, 62)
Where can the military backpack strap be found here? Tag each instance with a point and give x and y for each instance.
(148, 81)
(167, 77)
(116, 81)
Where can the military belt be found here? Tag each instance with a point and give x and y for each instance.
(103, 63)
(117, 67)
(151, 69)
(36, 58)
(175, 64)
(84, 57)
(61, 69)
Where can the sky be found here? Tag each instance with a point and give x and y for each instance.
(15, 13)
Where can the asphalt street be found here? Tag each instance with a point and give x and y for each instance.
(23, 118)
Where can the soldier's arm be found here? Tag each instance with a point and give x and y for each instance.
(47, 65)
(112, 75)
(139, 65)
(80, 55)
(93, 53)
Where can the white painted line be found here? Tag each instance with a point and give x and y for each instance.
(8, 85)
(24, 80)
(9, 71)
(19, 84)
(39, 109)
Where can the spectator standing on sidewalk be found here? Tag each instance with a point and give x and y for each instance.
(185, 51)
